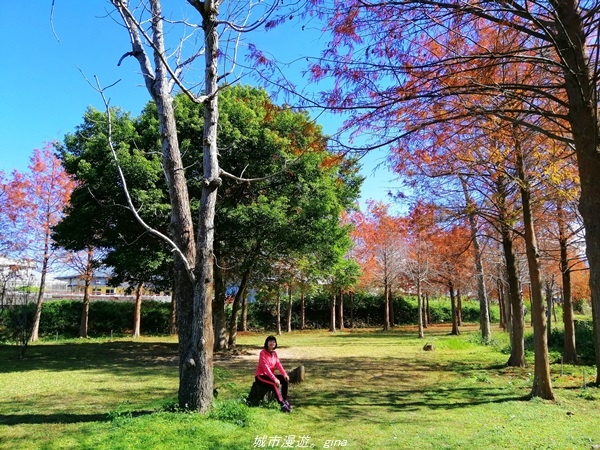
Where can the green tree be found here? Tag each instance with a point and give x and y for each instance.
(97, 216)
(293, 203)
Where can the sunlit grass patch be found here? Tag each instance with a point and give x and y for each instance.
(368, 389)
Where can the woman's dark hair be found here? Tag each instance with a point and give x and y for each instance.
(270, 338)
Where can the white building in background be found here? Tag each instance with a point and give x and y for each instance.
(19, 282)
(16, 273)
(16, 276)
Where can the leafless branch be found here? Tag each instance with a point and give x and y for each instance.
(174, 248)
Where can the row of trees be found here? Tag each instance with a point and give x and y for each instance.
(497, 101)
(431, 250)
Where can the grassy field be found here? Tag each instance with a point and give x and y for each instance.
(364, 389)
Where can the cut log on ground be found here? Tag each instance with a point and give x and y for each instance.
(297, 375)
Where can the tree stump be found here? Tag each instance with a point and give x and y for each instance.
(297, 375)
(260, 393)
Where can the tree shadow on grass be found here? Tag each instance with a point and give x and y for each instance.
(117, 356)
(63, 418)
(355, 386)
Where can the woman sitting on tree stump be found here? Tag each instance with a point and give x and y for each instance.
(264, 375)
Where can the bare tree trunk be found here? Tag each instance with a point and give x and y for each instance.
(219, 316)
(87, 279)
(35, 328)
(278, 308)
(426, 310)
(420, 310)
(569, 350)
(193, 275)
(351, 309)
(235, 308)
(549, 307)
(386, 306)
(341, 310)
(515, 314)
(137, 311)
(173, 316)
(502, 301)
(332, 309)
(542, 383)
(244, 326)
(85, 311)
(484, 310)
(458, 308)
(581, 85)
(302, 310)
(454, 309)
(289, 310)
(391, 313)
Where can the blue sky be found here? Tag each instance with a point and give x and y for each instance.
(47, 67)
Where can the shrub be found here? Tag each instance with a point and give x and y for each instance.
(155, 317)
(584, 339)
(15, 325)
(232, 411)
(364, 310)
(581, 306)
(62, 317)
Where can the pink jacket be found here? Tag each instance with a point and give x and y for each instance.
(267, 362)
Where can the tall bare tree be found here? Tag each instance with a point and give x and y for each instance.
(162, 71)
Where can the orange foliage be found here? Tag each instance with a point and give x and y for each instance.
(34, 202)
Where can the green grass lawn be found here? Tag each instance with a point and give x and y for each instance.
(364, 389)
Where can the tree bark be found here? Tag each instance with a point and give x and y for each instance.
(219, 316)
(420, 310)
(244, 324)
(453, 307)
(332, 309)
(289, 310)
(386, 306)
(542, 383)
(580, 86)
(35, 328)
(193, 287)
(302, 310)
(502, 300)
(173, 316)
(85, 313)
(549, 307)
(426, 310)
(391, 313)
(570, 348)
(278, 308)
(236, 307)
(341, 310)
(484, 310)
(514, 315)
(351, 309)
(137, 311)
